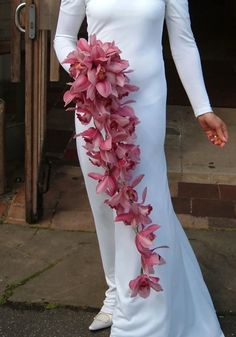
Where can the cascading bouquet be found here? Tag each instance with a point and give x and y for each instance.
(100, 83)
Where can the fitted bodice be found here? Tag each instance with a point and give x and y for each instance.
(137, 30)
(136, 26)
(132, 24)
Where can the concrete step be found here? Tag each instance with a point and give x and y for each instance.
(197, 205)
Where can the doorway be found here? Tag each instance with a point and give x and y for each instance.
(214, 28)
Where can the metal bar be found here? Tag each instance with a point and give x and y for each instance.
(17, 17)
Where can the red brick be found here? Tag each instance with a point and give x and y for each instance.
(214, 208)
(181, 205)
(227, 192)
(195, 190)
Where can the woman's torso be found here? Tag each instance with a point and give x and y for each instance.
(136, 26)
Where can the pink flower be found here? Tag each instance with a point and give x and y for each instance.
(145, 237)
(84, 116)
(77, 61)
(92, 136)
(141, 285)
(150, 259)
(95, 158)
(128, 155)
(122, 198)
(100, 83)
(138, 214)
(106, 183)
(98, 68)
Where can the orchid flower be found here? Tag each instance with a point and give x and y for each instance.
(100, 84)
(141, 285)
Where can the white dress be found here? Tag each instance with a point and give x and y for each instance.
(184, 308)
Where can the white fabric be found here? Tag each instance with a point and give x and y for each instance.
(184, 308)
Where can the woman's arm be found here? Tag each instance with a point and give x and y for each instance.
(71, 16)
(186, 55)
(187, 60)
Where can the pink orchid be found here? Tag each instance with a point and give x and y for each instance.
(128, 154)
(150, 259)
(106, 182)
(80, 84)
(145, 237)
(95, 158)
(125, 195)
(138, 214)
(141, 285)
(94, 138)
(121, 128)
(100, 84)
(76, 61)
(84, 116)
(122, 198)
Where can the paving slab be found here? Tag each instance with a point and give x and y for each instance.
(64, 267)
(71, 207)
(77, 280)
(216, 253)
(26, 252)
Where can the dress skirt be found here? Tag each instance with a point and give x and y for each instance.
(184, 308)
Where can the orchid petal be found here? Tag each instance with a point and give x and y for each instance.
(104, 88)
(137, 180)
(96, 176)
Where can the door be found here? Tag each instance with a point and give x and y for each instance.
(41, 65)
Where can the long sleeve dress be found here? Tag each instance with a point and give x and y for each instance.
(184, 308)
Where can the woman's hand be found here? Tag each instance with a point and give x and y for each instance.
(214, 128)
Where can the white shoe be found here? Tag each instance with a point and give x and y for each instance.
(101, 321)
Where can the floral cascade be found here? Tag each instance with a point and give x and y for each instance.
(100, 83)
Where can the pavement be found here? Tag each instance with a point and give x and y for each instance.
(33, 321)
(60, 273)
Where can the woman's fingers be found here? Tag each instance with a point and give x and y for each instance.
(220, 133)
(214, 138)
(214, 128)
(225, 131)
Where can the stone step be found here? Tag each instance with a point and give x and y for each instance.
(66, 206)
(201, 205)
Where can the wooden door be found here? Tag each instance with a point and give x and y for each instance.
(41, 65)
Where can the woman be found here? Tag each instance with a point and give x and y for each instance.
(184, 308)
